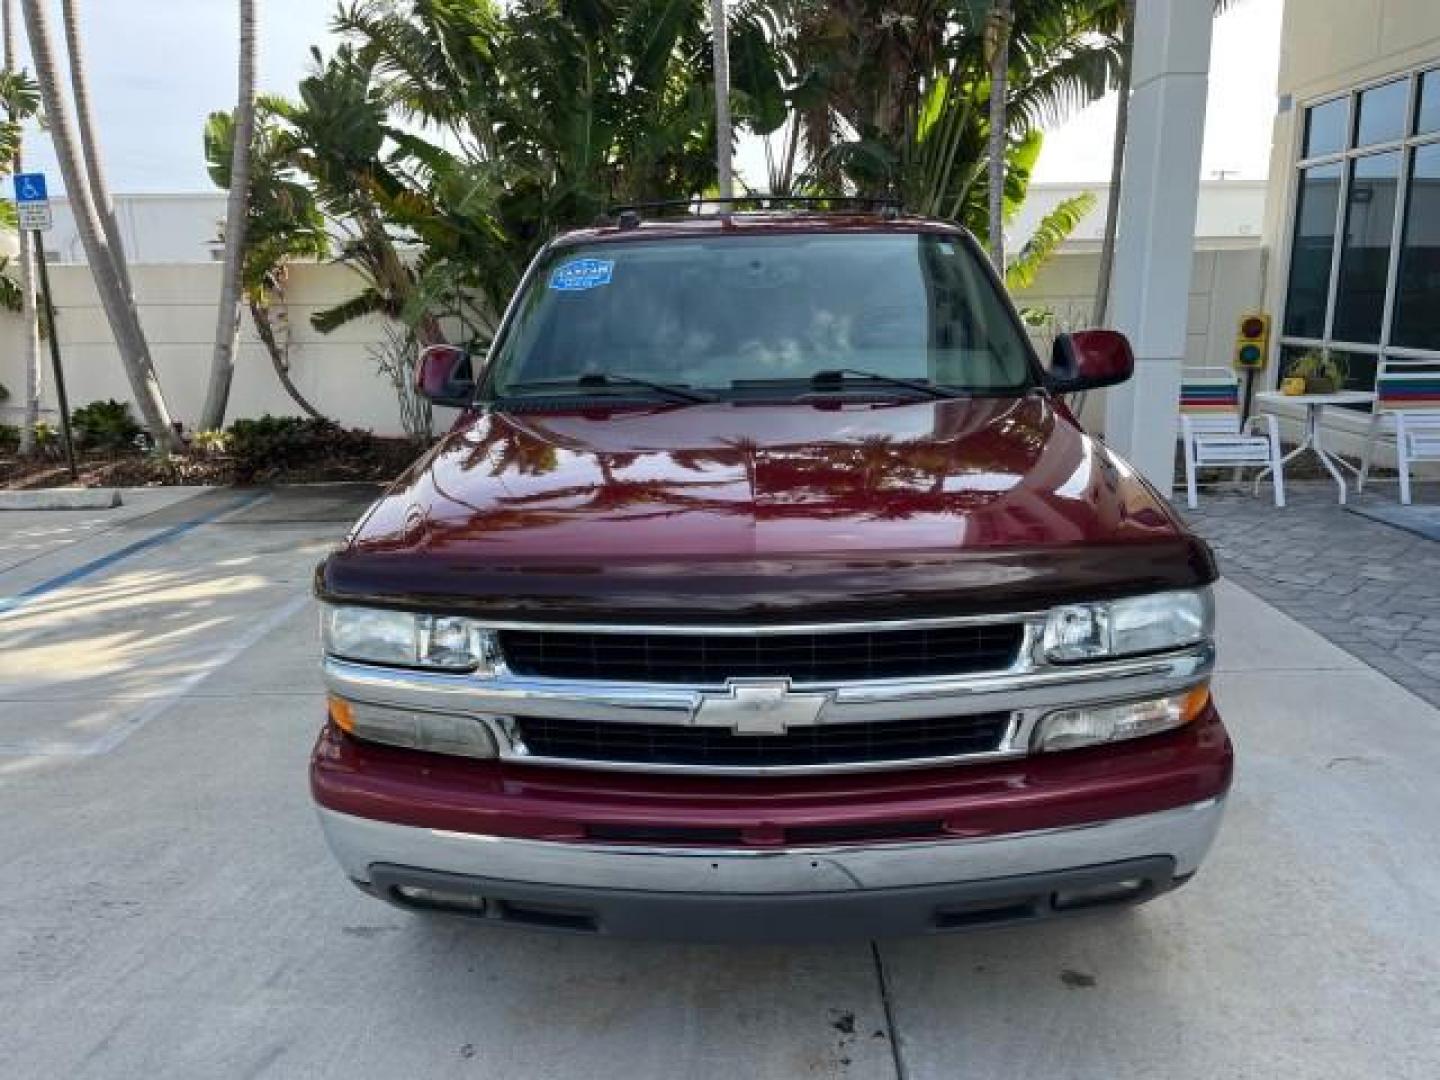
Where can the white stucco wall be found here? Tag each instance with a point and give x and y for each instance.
(177, 308)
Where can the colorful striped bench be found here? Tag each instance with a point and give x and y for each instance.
(1407, 410)
(1213, 435)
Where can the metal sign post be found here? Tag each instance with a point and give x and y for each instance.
(32, 202)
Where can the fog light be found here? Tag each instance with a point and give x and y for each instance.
(1097, 724)
(443, 899)
(439, 733)
(1109, 892)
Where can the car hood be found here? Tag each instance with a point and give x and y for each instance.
(736, 510)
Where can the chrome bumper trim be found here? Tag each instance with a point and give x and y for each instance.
(1027, 687)
(1184, 834)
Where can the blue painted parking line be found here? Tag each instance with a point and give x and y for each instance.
(14, 603)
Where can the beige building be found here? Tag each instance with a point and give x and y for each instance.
(1352, 221)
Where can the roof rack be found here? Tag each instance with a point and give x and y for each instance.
(629, 215)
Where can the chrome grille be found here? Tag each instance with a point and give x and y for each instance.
(710, 658)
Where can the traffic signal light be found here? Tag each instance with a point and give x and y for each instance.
(1252, 343)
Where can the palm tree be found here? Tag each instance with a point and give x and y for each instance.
(340, 133)
(227, 326)
(895, 99)
(26, 268)
(724, 148)
(283, 224)
(1117, 165)
(90, 147)
(134, 352)
(997, 43)
(557, 111)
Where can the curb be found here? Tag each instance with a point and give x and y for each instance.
(61, 499)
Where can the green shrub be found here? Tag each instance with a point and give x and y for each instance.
(105, 425)
(9, 438)
(271, 445)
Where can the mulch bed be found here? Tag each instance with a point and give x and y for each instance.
(386, 459)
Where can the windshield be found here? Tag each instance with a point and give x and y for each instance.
(712, 313)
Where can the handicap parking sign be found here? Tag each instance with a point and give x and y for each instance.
(32, 202)
(30, 188)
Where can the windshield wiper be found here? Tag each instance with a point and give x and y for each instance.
(593, 380)
(834, 379)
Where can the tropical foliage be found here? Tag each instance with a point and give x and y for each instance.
(77, 153)
(894, 99)
(283, 223)
(19, 101)
(445, 140)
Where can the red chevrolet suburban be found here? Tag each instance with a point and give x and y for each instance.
(766, 587)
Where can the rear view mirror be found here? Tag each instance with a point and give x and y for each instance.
(445, 376)
(1088, 360)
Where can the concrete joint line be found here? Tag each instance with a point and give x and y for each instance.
(1165, 76)
(897, 1053)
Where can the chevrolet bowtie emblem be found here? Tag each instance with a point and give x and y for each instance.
(760, 707)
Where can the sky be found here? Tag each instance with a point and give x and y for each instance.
(1239, 115)
(159, 67)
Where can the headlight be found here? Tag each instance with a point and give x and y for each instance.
(405, 639)
(1139, 624)
(1092, 725)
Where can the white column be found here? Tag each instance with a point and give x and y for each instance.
(1155, 249)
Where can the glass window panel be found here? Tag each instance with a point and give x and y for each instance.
(1365, 250)
(1382, 113)
(1315, 212)
(1359, 373)
(1429, 117)
(1417, 284)
(1325, 127)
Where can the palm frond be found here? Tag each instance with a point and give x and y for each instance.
(1054, 229)
(369, 302)
(1074, 81)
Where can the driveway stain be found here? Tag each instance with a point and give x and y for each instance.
(1077, 980)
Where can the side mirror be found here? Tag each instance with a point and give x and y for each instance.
(444, 375)
(1090, 359)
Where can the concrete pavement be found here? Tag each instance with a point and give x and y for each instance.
(168, 909)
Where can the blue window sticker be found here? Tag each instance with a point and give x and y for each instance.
(580, 274)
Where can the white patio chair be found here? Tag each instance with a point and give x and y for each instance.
(1407, 411)
(1213, 435)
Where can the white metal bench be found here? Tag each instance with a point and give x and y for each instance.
(1213, 435)
(1407, 411)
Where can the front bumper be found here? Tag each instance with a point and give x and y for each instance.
(1005, 841)
(818, 893)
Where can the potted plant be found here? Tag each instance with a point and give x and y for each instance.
(1322, 372)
